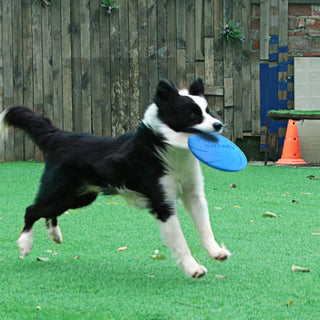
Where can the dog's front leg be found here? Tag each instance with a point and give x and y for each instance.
(196, 204)
(171, 231)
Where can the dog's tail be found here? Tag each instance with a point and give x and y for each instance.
(39, 128)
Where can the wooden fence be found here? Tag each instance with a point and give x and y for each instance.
(96, 72)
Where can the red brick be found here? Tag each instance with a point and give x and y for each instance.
(299, 10)
(311, 54)
(313, 24)
(299, 34)
(290, 34)
(256, 45)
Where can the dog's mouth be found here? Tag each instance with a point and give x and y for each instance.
(205, 132)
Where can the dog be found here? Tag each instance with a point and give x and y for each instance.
(152, 168)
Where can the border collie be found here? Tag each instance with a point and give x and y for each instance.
(152, 168)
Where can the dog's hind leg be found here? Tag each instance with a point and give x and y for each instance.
(25, 240)
(53, 230)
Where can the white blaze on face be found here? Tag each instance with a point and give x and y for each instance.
(208, 121)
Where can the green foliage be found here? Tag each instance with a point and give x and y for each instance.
(109, 5)
(231, 31)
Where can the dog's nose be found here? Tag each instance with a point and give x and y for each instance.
(217, 126)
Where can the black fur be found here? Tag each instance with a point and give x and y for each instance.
(75, 161)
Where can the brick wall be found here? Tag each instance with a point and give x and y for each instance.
(303, 30)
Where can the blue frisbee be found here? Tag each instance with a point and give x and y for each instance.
(217, 152)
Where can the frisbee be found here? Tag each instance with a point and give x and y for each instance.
(217, 152)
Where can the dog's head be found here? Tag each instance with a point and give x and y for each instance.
(178, 113)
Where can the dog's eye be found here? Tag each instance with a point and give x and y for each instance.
(193, 115)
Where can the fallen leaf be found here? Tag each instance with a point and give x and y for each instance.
(158, 257)
(237, 207)
(156, 251)
(299, 269)
(311, 177)
(269, 214)
(122, 248)
(38, 307)
(75, 257)
(232, 185)
(218, 208)
(289, 303)
(112, 203)
(220, 276)
(316, 233)
(42, 259)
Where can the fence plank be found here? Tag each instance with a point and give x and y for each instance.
(143, 55)
(96, 99)
(209, 61)
(199, 32)
(264, 29)
(162, 50)
(134, 64)
(124, 111)
(17, 76)
(105, 73)
(27, 69)
(57, 80)
(86, 112)
(8, 70)
(76, 65)
(172, 39)
(66, 64)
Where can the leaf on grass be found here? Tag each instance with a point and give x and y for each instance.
(75, 257)
(269, 214)
(220, 276)
(158, 257)
(43, 259)
(299, 269)
(237, 207)
(232, 185)
(122, 248)
(316, 233)
(218, 208)
(38, 307)
(112, 203)
(289, 303)
(312, 177)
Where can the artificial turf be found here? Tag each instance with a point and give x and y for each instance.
(87, 278)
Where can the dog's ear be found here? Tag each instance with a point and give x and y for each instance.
(165, 91)
(196, 87)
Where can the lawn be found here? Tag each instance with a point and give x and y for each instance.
(87, 278)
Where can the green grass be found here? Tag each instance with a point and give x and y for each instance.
(87, 278)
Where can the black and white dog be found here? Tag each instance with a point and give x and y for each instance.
(152, 168)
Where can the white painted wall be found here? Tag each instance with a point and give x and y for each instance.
(307, 97)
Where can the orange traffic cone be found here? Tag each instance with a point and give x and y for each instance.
(291, 153)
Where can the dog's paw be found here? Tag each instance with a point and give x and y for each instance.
(198, 272)
(194, 270)
(25, 243)
(222, 254)
(55, 234)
